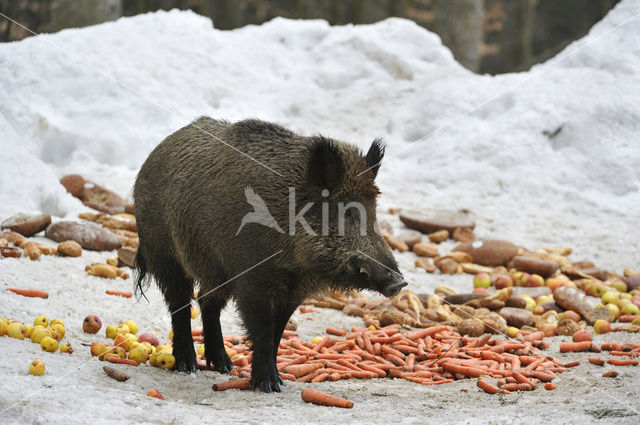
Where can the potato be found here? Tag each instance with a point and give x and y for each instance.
(425, 249)
(439, 236)
(70, 249)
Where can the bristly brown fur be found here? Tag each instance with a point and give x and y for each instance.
(190, 202)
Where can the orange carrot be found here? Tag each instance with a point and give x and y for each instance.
(321, 377)
(487, 387)
(598, 361)
(611, 346)
(572, 364)
(117, 359)
(299, 370)
(549, 386)
(517, 387)
(125, 294)
(523, 379)
(336, 332)
(622, 353)
(610, 374)
(35, 293)
(566, 347)
(240, 384)
(288, 334)
(628, 317)
(316, 397)
(626, 362)
(197, 332)
(472, 372)
(308, 309)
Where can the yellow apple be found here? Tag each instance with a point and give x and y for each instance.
(165, 361)
(56, 322)
(138, 354)
(614, 309)
(543, 299)
(630, 308)
(316, 340)
(171, 334)
(152, 360)
(57, 332)
(41, 321)
(36, 368)
(123, 329)
(111, 331)
(16, 330)
(125, 341)
(118, 351)
(164, 349)
(133, 326)
(601, 326)
(531, 304)
(626, 296)
(65, 347)
(3, 328)
(49, 344)
(200, 350)
(512, 331)
(27, 331)
(609, 297)
(38, 333)
(98, 349)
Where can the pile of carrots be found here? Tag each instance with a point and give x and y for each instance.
(431, 356)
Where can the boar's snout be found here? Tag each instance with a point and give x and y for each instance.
(394, 284)
(379, 278)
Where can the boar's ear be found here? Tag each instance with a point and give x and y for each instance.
(375, 155)
(325, 168)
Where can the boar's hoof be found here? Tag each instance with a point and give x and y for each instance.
(185, 361)
(267, 384)
(223, 364)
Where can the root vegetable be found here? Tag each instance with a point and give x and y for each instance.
(125, 294)
(31, 249)
(487, 387)
(625, 362)
(35, 293)
(115, 374)
(566, 347)
(237, 384)
(316, 397)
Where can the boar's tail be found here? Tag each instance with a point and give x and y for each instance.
(142, 279)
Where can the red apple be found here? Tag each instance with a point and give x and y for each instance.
(483, 291)
(91, 324)
(503, 281)
(534, 281)
(155, 393)
(582, 335)
(547, 329)
(150, 338)
(569, 314)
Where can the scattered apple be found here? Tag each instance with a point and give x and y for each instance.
(98, 349)
(36, 368)
(614, 309)
(91, 324)
(629, 308)
(481, 280)
(534, 281)
(38, 333)
(626, 296)
(582, 335)
(155, 394)
(200, 350)
(636, 321)
(165, 361)
(543, 299)
(57, 332)
(531, 304)
(150, 338)
(512, 331)
(522, 279)
(601, 326)
(27, 331)
(138, 354)
(569, 314)
(3, 328)
(111, 331)
(133, 326)
(41, 321)
(123, 329)
(595, 289)
(483, 291)
(618, 285)
(166, 348)
(547, 329)
(503, 281)
(171, 334)
(194, 313)
(16, 330)
(65, 347)
(56, 322)
(49, 344)
(118, 351)
(610, 297)
(125, 341)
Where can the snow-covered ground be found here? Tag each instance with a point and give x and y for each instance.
(547, 157)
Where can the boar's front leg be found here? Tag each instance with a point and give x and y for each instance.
(215, 352)
(177, 289)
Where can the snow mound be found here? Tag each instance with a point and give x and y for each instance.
(98, 99)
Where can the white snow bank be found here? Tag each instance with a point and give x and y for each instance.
(97, 100)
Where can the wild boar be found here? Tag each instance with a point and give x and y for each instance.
(211, 203)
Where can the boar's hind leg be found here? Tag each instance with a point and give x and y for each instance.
(177, 288)
(214, 352)
(258, 317)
